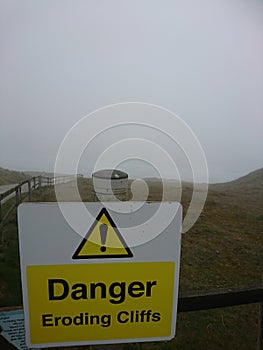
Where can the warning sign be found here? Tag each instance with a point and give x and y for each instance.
(103, 240)
(90, 302)
(96, 286)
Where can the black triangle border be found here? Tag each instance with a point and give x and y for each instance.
(105, 256)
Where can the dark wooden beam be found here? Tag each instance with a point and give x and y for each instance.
(217, 299)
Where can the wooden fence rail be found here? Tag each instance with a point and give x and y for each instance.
(224, 298)
(31, 184)
(218, 299)
(204, 300)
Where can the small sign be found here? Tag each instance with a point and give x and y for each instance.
(101, 286)
(12, 330)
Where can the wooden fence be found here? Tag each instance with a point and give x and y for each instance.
(24, 190)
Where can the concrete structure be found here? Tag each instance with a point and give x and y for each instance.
(109, 184)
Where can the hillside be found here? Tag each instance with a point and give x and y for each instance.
(250, 182)
(11, 176)
(223, 250)
(245, 192)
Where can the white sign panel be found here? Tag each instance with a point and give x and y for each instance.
(99, 276)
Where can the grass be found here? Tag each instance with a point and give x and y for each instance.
(224, 249)
(11, 176)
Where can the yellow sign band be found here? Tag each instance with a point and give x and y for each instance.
(89, 302)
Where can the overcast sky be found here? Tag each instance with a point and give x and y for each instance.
(203, 60)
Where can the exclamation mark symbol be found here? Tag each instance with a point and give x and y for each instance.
(103, 236)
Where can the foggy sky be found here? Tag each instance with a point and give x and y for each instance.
(202, 60)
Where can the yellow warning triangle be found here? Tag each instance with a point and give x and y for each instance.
(103, 240)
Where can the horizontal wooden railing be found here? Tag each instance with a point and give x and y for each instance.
(225, 298)
(26, 188)
(204, 300)
(218, 299)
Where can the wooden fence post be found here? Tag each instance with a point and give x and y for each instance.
(20, 193)
(29, 190)
(17, 196)
(1, 217)
(260, 328)
(39, 182)
(1, 214)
